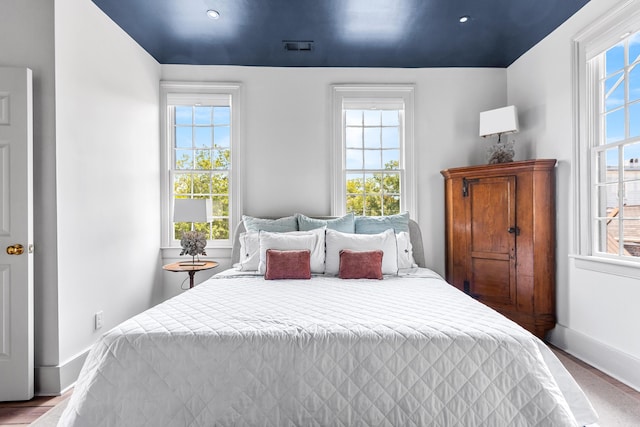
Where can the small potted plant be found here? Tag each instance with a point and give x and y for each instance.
(193, 243)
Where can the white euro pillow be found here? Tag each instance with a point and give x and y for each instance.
(295, 240)
(385, 241)
(405, 251)
(249, 251)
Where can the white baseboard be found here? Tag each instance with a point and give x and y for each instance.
(621, 366)
(55, 380)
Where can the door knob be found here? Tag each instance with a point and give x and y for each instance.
(16, 249)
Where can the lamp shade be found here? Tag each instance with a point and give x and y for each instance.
(499, 121)
(192, 210)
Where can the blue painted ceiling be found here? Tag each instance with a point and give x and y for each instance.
(343, 33)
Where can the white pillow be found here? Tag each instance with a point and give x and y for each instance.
(295, 240)
(249, 251)
(386, 242)
(405, 251)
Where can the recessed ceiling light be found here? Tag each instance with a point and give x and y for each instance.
(463, 19)
(213, 14)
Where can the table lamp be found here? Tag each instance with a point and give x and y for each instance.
(499, 122)
(192, 210)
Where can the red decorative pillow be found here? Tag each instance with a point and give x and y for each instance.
(288, 264)
(360, 264)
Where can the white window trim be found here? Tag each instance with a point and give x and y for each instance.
(588, 43)
(339, 94)
(191, 90)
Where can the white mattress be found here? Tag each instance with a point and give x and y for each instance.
(404, 351)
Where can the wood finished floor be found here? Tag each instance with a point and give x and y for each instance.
(22, 414)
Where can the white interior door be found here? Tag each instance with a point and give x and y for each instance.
(16, 234)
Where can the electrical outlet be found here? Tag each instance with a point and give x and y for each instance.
(98, 319)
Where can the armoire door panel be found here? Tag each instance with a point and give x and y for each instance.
(491, 211)
(491, 280)
(492, 205)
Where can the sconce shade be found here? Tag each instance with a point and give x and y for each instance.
(499, 121)
(192, 210)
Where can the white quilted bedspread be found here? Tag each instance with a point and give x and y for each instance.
(403, 351)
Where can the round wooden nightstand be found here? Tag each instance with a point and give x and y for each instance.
(183, 266)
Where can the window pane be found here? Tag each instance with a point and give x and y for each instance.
(222, 136)
(220, 229)
(607, 165)
(355, 183)
(373, 183)
(203, 159)
(184, 115)
(631, 205)
(390, 138)
(182, 184)
(355, 204)
(201, 184)
(203, 115)
(373, 205)
(391, 205)
(222, 159)
(203, 137)
(391, 159)
(222, 115)
(184, 159)
(631, 156)
(634, 48)
(631, 241)
(183, 137)
(391, 184)
(614, 91)
(390, 118)
(372, 118)
(614, 59)
(353, 117)
(634, 84)
(631, 211)
(220, 206)
(372, 137)
(220, 186)
(634, 120)
(179, 228)
(353, 159)
(614, 125)
(607, 201)
(372, 159)
(607, 236)
(353, 137)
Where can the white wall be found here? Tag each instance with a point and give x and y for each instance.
(287, 136)
(26, 40)
(108, 196)
(598, 317)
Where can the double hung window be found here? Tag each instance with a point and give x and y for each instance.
(373, 145)
(201, 156)
(616, 151)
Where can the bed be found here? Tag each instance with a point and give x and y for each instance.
(408, 350)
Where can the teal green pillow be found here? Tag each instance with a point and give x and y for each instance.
(344, 224)
(378, 224)
(280, 225)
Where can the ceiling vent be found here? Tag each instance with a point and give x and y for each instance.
(297, 45)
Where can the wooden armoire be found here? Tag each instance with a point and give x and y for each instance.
(500, 238)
